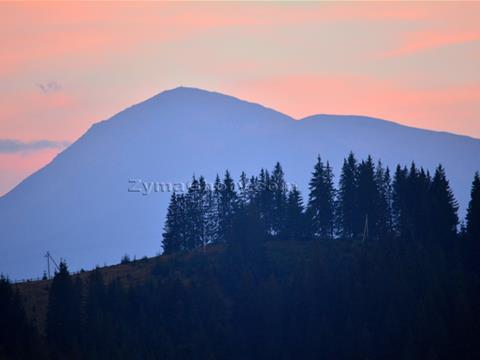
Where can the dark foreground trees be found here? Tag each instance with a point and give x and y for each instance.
(18, 338)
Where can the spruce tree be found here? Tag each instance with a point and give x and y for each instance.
(63, 311)
(472, 228)
(210, 214)
(172, 235)
(243, 190)
(252, 190)
(228, 205)
(321, 205)
(473, 211)
(295, 218)
(368, 198)
(279, 199)
(265, 200)
(399, 205)
(384, 185)
(443, 209)
(347, 212)
(193, 215)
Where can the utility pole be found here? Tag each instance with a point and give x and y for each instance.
(47, 255)
(50, 258)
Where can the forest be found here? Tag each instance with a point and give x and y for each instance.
(376, 265)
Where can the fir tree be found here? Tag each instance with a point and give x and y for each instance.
(347, 211)
(473, 211)
(279, 199)
(321, 205)
(228, 204)
(243, 190)
(173, 228)
(265, 200)
(295, 218)
(63, 311)
(443, 210)
(368, 198)
(384, 185)
(399, 203)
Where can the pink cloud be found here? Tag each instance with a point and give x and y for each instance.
(414, 42)
(15, 167)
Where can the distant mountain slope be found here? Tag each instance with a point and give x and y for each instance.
(79, 207)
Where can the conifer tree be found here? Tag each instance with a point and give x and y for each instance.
(321, 205)
(173, 228)
(367, 200)
(243, 190)
(443, 210)
(347, 211)
(228, 204)
(265, 200)
(399, 205)
(252, 190)
(18, 339)
(295, 223)
(279, 199)
(384, 185)
(473, 211)
(63, 311)
(213, 227)
(193, 215)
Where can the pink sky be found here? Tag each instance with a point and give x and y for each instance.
(66, 66)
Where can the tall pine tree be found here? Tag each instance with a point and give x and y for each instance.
(321, 205)
(173, 228)
(228, 205)
(473, 211)
(279, 199)
(443, 210)
(347, 211)
(368, 198)
(295, 223)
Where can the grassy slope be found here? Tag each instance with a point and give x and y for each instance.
(35, 293)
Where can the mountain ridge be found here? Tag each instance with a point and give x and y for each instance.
(79, 201)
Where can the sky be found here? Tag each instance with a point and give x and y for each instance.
(66, 66)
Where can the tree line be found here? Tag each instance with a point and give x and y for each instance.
(369, 204)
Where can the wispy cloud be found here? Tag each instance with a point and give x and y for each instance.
(49, 87)
(11, 146)
(415, 42)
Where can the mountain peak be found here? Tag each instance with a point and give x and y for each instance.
(166, 139)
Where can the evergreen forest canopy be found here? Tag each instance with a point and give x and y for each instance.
(377, 267)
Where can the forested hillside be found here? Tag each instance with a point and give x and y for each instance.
(378, 267)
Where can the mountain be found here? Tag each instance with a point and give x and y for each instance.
(79, 207)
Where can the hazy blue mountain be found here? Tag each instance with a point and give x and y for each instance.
(79, 206)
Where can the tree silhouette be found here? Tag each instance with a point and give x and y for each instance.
(63, 311)
(347, 212)
(368, 200)
(473, 211)
(228, 205)
(295, 224)
(321, 205)
(174, 227)
(444, 218)
(279, 199)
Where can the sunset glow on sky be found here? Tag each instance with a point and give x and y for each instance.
(65, 66)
